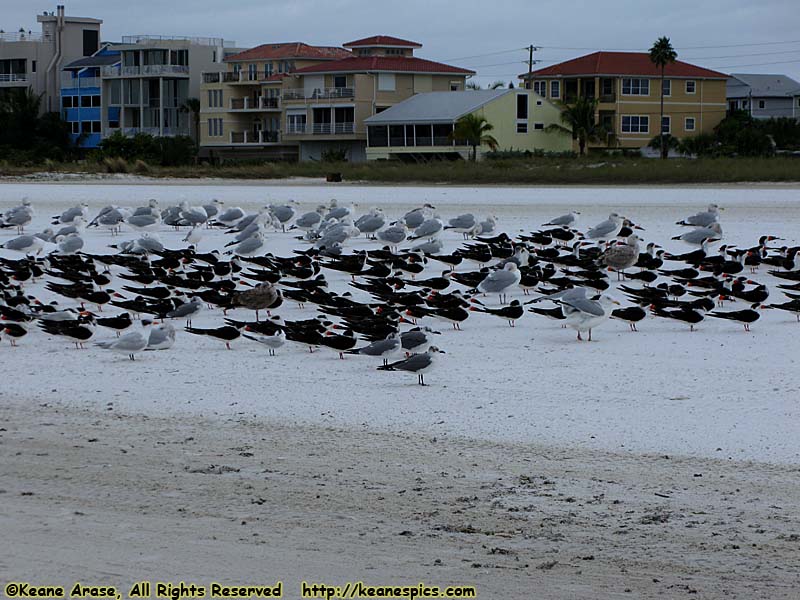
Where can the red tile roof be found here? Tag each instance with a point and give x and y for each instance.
(290, 50)
(399, 64)
(382, 40)
(623, 63)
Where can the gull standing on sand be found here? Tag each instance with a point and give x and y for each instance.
(187, 310)
(393, 235)
(69, 244)
(583, 313)
(696, 237)
(702, 219)
(371, 222)
(131, 343)
(25, 244)
(162, 337)
(621, 256)
(194, 236)
(68, 216)
(498, 282)
(416, 363)
(568, 220)
(464, 224)
(606, 230)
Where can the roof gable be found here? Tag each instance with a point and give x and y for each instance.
(382, 41)
(289, 50)
(389, 64)
(623, 63)
(763, 85)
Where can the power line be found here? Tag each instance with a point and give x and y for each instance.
(487, 54)
(680, 47)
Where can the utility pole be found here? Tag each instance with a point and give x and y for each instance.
(531, 49)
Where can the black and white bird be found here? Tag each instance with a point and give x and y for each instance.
(416, 363)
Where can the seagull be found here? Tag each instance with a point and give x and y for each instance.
(192, 215)
(250, 247)
(162, 336)
(371, 222)
(231, 216)
(282, 212)
(148, 222)
(383, 348)
(606, 230)
(428, 229)
(583, 313)
(697, 236)
(70, 244)
(416, 363)
(416, 338)
(702, 219)
(24, 244)
(393, 235)
(194, 236)
(568, 220)
(131, 343)
(497, 282)
(464, 224)
(414, 218)
(187, 310)
(68, 216)
(621, 256)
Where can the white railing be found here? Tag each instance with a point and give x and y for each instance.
(79, 82)
(200, 41)
(332, 128)
(154, 131)
(145, 70)
(249, 103)
(254, 137)
(13, 77)
(296, 128)
(320, 93)
(22, 36)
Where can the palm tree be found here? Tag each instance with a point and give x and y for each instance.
(497, 85)
(661, 54)
(472, 85)
(578, 120)
(192, 105)
(474, 129)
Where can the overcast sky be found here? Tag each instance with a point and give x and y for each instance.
(489, 37)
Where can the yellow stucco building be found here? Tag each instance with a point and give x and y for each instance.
(626, 86)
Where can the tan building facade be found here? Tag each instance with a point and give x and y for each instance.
(626, 86)
(300, 102)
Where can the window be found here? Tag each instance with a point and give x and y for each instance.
(66, 102)
(522, 106)
(91, 41)
(252, 72)
(268, 69)
(555, 89)
(340, 81)
(635, 124)
(691, 86)
(540, 87)
(666, 124)
(296, 123)
(607, 87)
(667, 87)
(113, 124)
(33, 66)
(76, 127)
(455, 86)
(215, 127)
(538, 126)
(522, 128)
(86, 101)
(538, 103)
(632, 86)
(386, 82)
(95, 126)
(394, 51)
(215, 98)
(688, 124)
(762, 104)
(95, 101)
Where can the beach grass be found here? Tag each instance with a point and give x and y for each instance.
(536, 171)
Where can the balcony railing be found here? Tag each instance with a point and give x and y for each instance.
(23, 36)
(13, 77)
(212, 77)
(200, 41)
(332, 128)
(67, 81)
(154, 131)
(145, 70)
(260, 103)
(254, 137)
(320, 93)
(296, 128)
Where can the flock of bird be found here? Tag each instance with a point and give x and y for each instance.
(392, 296)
